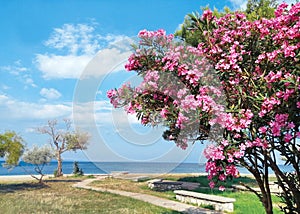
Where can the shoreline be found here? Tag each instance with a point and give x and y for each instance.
(121, 174)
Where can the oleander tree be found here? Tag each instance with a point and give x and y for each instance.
(64, 139)
(11, 148)
(39, 157)
(238, 88)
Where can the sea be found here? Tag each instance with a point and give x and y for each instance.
(111, 167)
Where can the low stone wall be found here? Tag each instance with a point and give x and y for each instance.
(163, 186)
(274, 188)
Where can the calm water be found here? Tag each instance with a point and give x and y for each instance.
(108, 167)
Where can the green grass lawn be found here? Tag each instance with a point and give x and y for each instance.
(131, 186)
(246, 202)
(58, 196)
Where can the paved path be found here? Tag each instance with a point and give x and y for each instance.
(174, 205)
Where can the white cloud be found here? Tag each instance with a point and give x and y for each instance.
(15, 109)
(79, 44)
(15, 69)
(28, 81)
(107, 60)
(3, 99)
(98, 112)
(21, 73)
(5, 87)
(62, 67)
(75, 39)
(101, 113)
(50, 93)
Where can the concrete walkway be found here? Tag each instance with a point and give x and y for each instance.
(174, 205)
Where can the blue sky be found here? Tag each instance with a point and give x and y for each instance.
(58, 58)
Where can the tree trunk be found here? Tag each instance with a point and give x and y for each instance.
(59, 164)
(41, 179)
(266, 198)
(268, 207)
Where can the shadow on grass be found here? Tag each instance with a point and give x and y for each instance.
(62, 180)
(8, 188)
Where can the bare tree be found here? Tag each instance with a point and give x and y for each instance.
(64, 140)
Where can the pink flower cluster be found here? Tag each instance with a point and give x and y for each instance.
(268, 105)
(233, 122)
(144, 35)
(282, 127)
(133, 63)
(214, 153)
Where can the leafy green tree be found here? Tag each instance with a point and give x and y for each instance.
(11, 147)
(193, 26)
(257, 9)
(64, 140)
(192, 29)
(39, 157)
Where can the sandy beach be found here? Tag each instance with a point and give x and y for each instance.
(13, 178)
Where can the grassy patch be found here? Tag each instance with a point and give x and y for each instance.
(58, 196)
(131, 186)
(203, 181)
(246, 202)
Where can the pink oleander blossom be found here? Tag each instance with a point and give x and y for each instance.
(212, 184)
(214, 153)
(222, 188)
(133, 63)
(263, 129)
(231, 170)
(222, 177)
(181, 120)
(268, 105)
(280, 9)
(111, 93)
(238, 154)
(207, 14)
(225, 143)
(164, 112)
(288, 137)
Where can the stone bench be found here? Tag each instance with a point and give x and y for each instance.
(219, 203)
